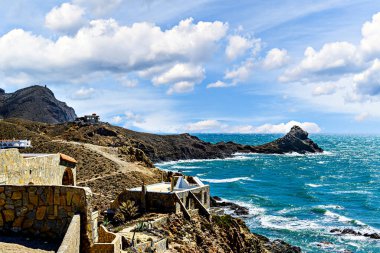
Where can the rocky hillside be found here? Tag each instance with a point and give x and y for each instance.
(173, 147)
(106, 170)
(35, 103)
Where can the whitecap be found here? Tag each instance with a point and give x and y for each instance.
(314, 185)
(226, 180)
(252, 209)
(291, 224)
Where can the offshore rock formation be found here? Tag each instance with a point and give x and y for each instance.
(35, 103)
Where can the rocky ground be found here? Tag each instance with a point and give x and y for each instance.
(15, 244)
(221, 234)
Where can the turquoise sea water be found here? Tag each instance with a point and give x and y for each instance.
(300, 198)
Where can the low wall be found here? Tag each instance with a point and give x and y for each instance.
(38, 170)
(108, 242)
(166, 202)
(45, 211)
(71, 241)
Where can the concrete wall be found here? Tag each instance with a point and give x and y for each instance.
(38, 170)
(71, 241)
(108, 242)
(45, 211)
(166, 202)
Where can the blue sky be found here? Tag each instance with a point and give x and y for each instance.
(203, 66)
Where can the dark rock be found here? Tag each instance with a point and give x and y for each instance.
(237, 210)
(161, 148)
(35, 103)
(349, 231)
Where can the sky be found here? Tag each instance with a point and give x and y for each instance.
(201, 66)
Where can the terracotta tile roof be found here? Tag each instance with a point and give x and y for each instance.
(67, 158)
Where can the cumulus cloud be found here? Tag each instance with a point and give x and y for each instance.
(218, 84)
(325, 89)
(285, 127)
(237, 46)
(362, 117)
(204, 125)
(105, 46)
(275, 58)
(99, 7)
(65, 18)
(215, 126)
(183, 77)
(334, 59)
(368, 81)
(369, 45)
(240, 73)
(116, 119)
(84, 93)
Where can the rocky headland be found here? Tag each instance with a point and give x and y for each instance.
(35, 103)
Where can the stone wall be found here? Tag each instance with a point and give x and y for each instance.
(71, 241)
(42, 169)
(45, 211)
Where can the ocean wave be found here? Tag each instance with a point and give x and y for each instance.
(239, 158)
(351, 192)
(185, 167)
(252, 209)
(314, 185)
(288, 223)
(226, 180)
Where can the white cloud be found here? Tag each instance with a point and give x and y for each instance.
(237, 46)
(215, 126)
(334, 59)
(65, 18)
(129, 115)
(204, 125)
(84, 93)
(362, 116)
(324, 89)
(99, 7)
(368, 81)
(182, 77)
(285, 127)
(181, 87)
(218, 84)
(126, 82)
(369, 45)
(105, 46)
(116, 119)
(276, 58)
(241, 73)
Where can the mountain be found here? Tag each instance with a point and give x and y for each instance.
(35, 103)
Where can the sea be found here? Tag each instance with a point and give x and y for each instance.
(301, 198)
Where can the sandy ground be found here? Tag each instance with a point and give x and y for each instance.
(10, 244)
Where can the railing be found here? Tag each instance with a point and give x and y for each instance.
(202, 210)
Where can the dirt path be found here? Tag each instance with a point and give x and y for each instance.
(111, 154)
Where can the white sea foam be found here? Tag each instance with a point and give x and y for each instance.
(185, 167)
(226, 180)
(330, 207)
(288, 223)
(252, 209)
(314, 185)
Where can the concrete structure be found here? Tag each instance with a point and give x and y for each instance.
(88, 119)
(36, 169)
(180, 195)
(15, 144)
(38, 198)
